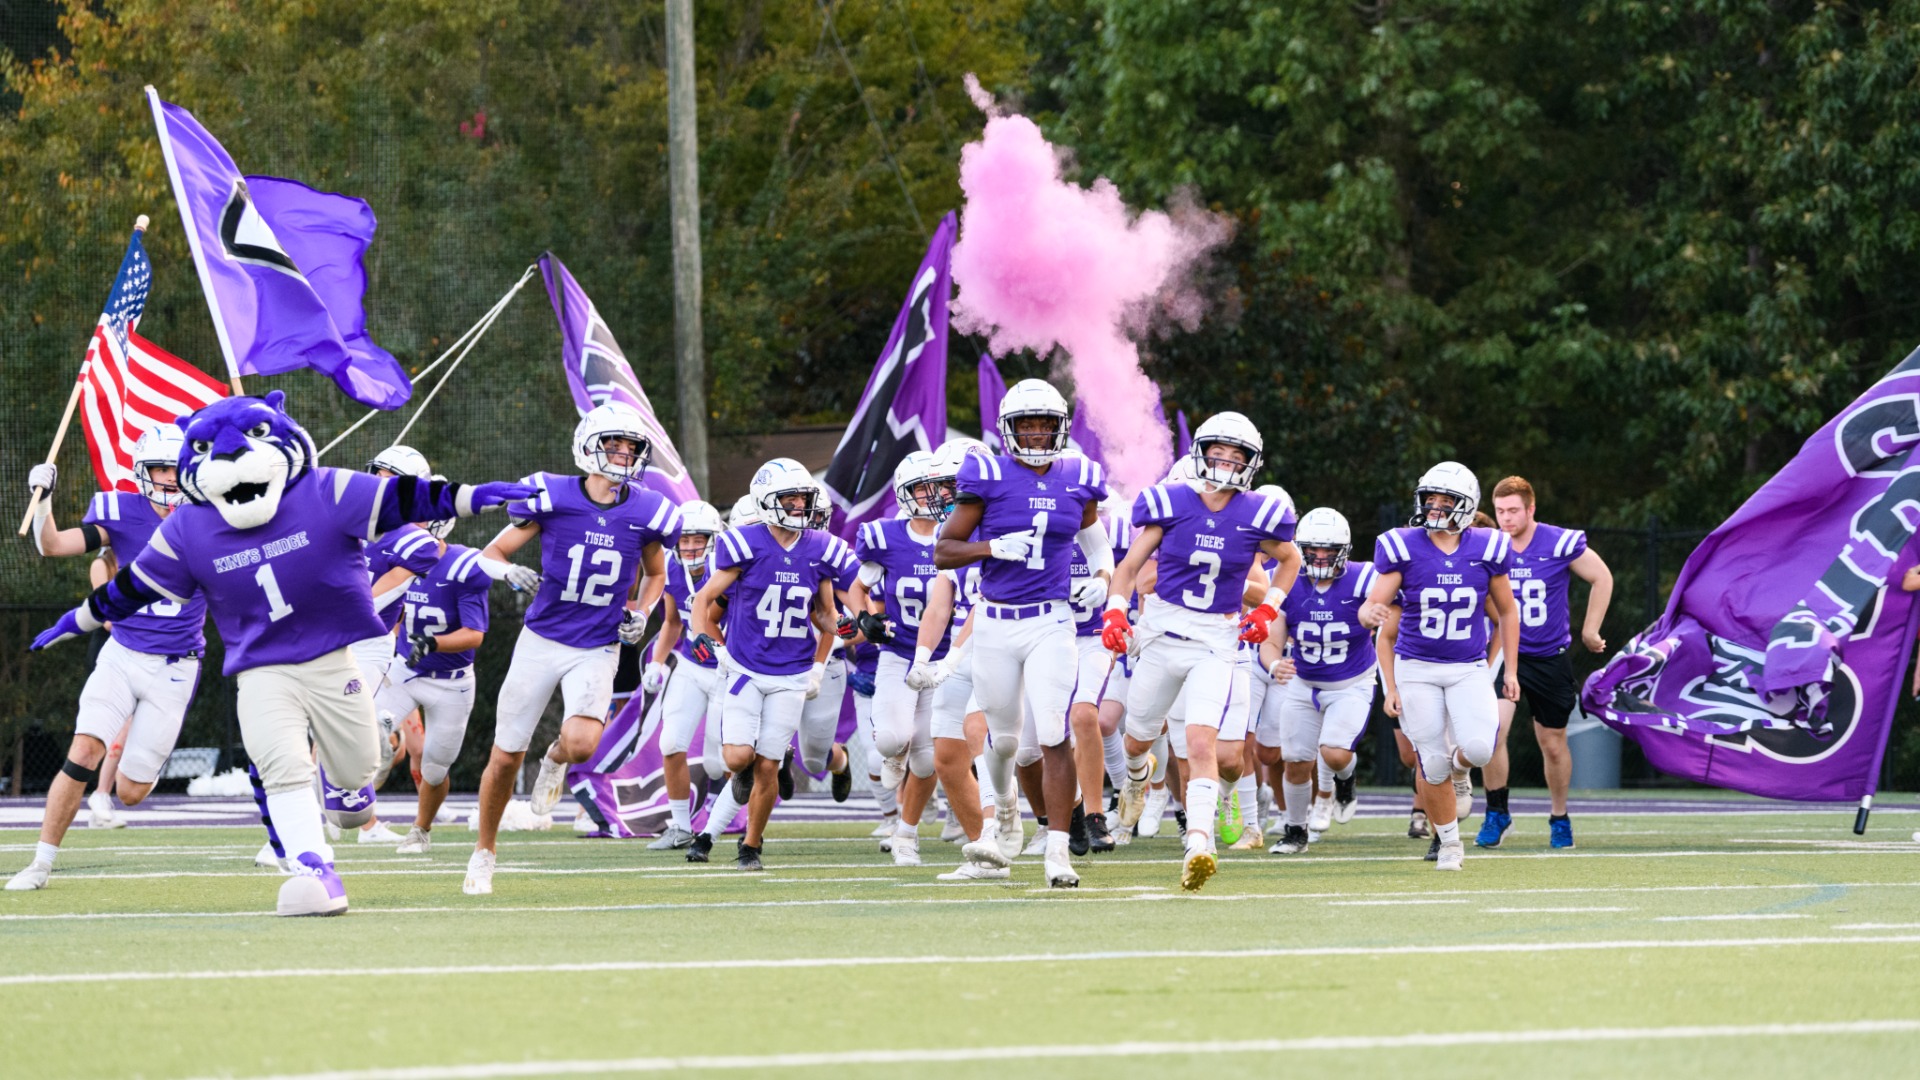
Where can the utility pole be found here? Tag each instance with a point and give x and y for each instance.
(683, 170)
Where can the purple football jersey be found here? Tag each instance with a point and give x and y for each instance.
(590, 555)
(1205, 554)
(451, 595)
(408, 546)
(1088, 619)
(165, 627)
(1324, 635)
(1051, 503)
(682, 586)
(1540, 576)
(906, 564)
(770, 628)
(1444, 596)
(281, 593)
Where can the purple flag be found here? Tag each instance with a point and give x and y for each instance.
(1783, 651)
(598, 372)
(625, 779)
(281, 271)
(904, 407)
(992, 389)
(1185, 442)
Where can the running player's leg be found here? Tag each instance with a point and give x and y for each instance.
(100, 804)
(781, 702)
(1494, 777)
(895, 714)
(532, 677)
(586, 688)
(1300, 724)
(1425, 699)
(1345, 713)
(683, 705)
(1151, 691)
(1089, 745)
(1550, 689)
(820, 722)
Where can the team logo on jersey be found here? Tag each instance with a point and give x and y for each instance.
(602, 521)
(353, 687)
(1212, 524)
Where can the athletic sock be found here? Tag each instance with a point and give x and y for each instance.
(901, 828)
(1203, 800)
(1114, 750)
(983, 776)
(1161, 755)
(1057, 849)
(725, 809)
(1449, 833)
(680, 813)
(999, 771)
(1323, 775)
(1497, 800)
(296, 815)
(888, 799)
(1556, 817)
(1137, 767)
(1248, 788)
(45, 852)
(1299, 797)
(1346, 771)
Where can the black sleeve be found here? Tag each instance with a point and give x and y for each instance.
(90, 535)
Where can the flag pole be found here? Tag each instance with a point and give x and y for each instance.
(473, 332)
(66, 418)
(475, 340)
(193, 239)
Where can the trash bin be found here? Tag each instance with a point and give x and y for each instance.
(1596, 752)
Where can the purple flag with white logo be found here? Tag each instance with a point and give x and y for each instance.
(624, 782)
(904, 407)
(992, 389)
(1784, 648)
(279, 264)
(598, 372)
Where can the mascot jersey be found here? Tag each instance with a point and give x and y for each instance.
(284, 592)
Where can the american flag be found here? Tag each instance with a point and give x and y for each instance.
(129, 385)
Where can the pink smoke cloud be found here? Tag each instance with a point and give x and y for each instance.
(1043, 264)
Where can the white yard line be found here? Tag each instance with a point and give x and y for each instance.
(1754, 916)
(1393, 903)
(1549, 910)
(955, 1055)
(1879, 926)
(830, 962)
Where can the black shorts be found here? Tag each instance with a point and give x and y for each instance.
(1546, 684)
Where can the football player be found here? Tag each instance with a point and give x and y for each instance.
(1207, 535)
(1324, 669)
(1029, 503)
(598, 533)
(1446, 574)
(149, 667)
(779, 623)
(1545, 560)
(693, 691)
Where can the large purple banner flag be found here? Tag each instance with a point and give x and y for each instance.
(1783, 651)
(280, 266)
(904, 407)
(598, 372)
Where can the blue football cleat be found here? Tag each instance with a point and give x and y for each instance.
(1493, 828)
(1560, 832)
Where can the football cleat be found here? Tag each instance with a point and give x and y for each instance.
(1060, 873)
(673, 839)
(1198, 865)
(1154, 808)
(1292, 842)
(479, 874)
(379, 834)
(1122, 836)
(987, 852)
(1433, 849)
(743, 784)
(1228, 822)
(547, 786)
(1493, 828)
(1251, 840)
(418, 842)
(314, 889)
(1452, 856)
(1099, 839)
(267, 860)
(1560, 831)
(1320, 814)
(748, 858)
(1038, 845)
(893, 772)
(1345, 802)
(100, 813)
(33, 877)
(843, 782)
(950, 829)
(1417, 825)
(701, 850)
(1133, 797)
(882, 830)
(1006, 819)
(786, 778)
(974, 871)
(906, 849)
(1079, 842)
(1462, 794)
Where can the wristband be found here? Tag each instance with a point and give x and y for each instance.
(922, 655)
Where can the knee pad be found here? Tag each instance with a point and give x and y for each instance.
(920, 761)
(350, 819)
(1437, 768)
(816, 763)
(1477, 752)
(430, 773)
(1026, 755)
(891, 744)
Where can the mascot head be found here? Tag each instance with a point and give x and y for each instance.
(240, 455)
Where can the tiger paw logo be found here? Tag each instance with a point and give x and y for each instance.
(353, 687)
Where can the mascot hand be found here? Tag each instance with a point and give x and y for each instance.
(76, 623)
(499, 493)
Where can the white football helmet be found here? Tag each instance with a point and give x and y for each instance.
(1323, 528)
(946, 463)
(821, 515)
(1182, 472)
(1027, 399)
(401, 461)
(444, 526)
(919, 469)
(1227, 429)
(780, 479)
(159, 446)
(614, 419)
(745, 512)
(698, 518)
(1452, 479)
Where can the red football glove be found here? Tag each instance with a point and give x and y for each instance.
(1253, 625)
(1116, 632)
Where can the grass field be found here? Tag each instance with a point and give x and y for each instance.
(1724, 943)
